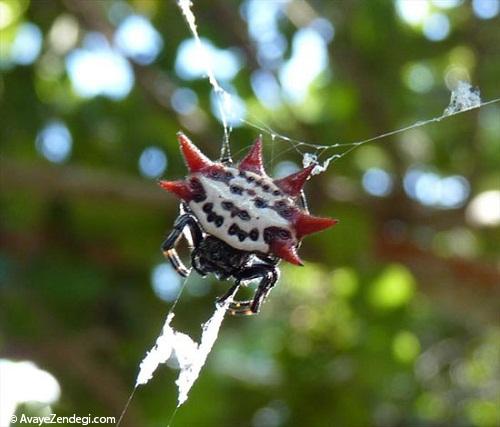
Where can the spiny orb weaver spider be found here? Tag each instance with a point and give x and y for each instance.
(241, 222)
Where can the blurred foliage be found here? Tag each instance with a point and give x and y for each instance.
(393, 321)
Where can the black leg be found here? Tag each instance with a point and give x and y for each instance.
(168, 246)
(269, 276)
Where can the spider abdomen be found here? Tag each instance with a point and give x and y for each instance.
(239, 210)
(243, 206)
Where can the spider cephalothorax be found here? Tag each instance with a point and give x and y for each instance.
(242, 222)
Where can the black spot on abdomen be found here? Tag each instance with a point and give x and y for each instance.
(234, 230)
(283, 209)
(219, 174)
(254, 234)
(211, 215)
(199, 192)
(227, 205)
(260, 203)
(207, 207)
(244, 215)
(276, 233)
(235, 211)
(235, 189)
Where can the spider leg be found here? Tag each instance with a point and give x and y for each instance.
(168, 246)
(268, 274)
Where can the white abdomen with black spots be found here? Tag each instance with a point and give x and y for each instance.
(218, 192)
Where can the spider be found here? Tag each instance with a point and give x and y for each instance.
(240, 222)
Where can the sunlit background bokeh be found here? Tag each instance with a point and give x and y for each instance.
(393, 321)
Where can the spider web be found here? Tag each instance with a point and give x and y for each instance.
(191, 356)
(463, 98)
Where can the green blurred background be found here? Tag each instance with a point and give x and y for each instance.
(393, 321)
